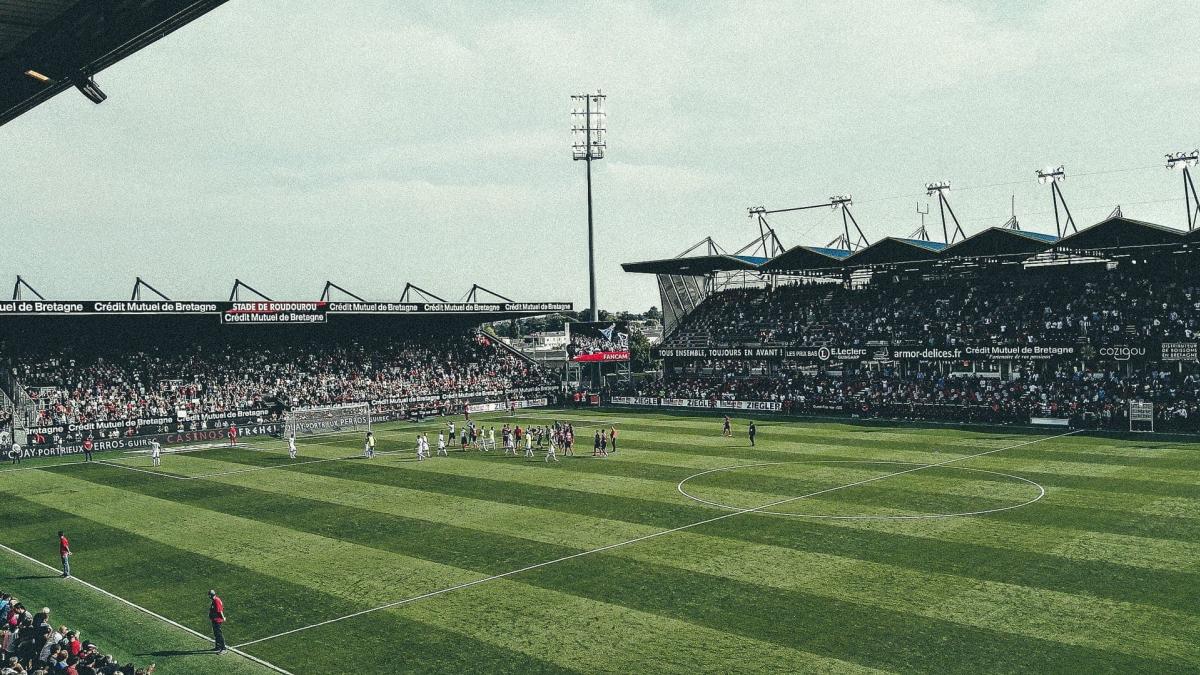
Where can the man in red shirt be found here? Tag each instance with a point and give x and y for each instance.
(216, 614)
(232, 435)
(64, 550)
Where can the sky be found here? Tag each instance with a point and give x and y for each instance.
(377, 143)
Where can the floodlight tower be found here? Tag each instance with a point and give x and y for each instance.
(1054, 176)
(940, 189)
(842, 203)
(1181, 161)
(588, 131)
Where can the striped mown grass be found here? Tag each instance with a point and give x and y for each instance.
(1101, 574)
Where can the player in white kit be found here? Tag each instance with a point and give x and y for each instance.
(528, 445)
(155, 452)
(550, 453)
(442, 442)
(292, 446)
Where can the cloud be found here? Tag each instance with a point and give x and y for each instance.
(298, 140)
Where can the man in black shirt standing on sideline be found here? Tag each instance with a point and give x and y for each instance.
(752, 431)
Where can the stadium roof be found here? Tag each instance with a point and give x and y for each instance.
(696, 265)
(804, 258)
(67, 41)
(1114, 236)
(1000, 241)
(1119, 232)
(894, 250)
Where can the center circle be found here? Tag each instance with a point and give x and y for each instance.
(772, 506)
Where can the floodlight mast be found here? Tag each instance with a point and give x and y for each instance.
(842, 202)
(589, 131)
(767, 242)
(940, 188)
(1054, 176)
(1182, 161)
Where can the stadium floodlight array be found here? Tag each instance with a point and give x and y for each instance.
(589, 132)
(1183, 161)
(1054, 176)
(589, 128)
(330, 419)
(940, 188)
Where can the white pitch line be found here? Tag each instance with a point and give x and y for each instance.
(288, 465)
(635, 540)
(927, 516)
(41, 466)
(134, 468)
(235, 650)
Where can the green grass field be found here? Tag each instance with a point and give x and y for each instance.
(1087, 559)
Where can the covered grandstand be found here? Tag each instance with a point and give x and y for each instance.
(128, 371)
(1002, 326)
(686, 279)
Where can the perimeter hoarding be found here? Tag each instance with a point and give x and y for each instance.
(265, 311)
(826, 353)
(600, 341)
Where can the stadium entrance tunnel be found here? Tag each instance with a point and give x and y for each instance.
(860, 490)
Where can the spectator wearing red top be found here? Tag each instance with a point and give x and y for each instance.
(64, 551)
(216, 614)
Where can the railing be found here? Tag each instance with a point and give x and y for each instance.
(25, 409)
(507, 347)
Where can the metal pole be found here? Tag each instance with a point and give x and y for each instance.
(591, 237)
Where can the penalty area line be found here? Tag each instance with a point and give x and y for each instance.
(235, 650)
(653, 535)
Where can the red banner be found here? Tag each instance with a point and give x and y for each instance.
(603, 356)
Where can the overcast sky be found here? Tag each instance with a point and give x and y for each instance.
(375, 143)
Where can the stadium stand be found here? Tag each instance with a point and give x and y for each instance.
(83, 388)
(30, 643)
(994, 329)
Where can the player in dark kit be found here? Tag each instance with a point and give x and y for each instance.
(753, 431)
(726, 430)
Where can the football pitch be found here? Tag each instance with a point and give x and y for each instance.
(827, 547)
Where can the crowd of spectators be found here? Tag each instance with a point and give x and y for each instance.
(31, 645)
(79, 387)
(1088, 308)
(1098, 398)
(1101, 307)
